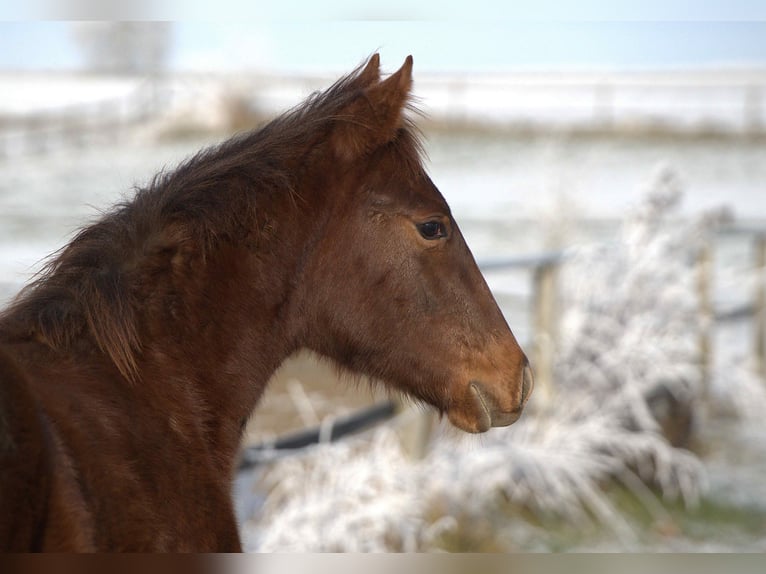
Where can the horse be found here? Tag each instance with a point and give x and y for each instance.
(131, 362)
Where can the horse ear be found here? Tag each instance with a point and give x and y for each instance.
(371, 73)
(373, 118)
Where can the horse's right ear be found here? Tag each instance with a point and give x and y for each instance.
(373, 118)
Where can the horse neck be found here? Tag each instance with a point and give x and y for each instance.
(225, 325)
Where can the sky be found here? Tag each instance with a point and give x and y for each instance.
(472, 46)
(438, 45)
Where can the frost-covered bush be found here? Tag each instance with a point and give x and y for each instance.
(352, 496)
(631, 331)
(632, 320)
(629, 326)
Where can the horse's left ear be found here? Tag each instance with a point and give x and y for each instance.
(373, 118)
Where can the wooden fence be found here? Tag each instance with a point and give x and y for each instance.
(77, 125)
(724, 101)
(754, 309)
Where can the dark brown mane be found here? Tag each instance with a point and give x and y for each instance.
(89, 286)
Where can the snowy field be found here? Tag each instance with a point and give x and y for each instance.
(587, 470)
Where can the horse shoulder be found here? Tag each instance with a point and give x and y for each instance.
(41, 507)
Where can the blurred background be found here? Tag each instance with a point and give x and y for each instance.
(610, 178)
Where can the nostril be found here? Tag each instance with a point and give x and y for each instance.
(527, 384)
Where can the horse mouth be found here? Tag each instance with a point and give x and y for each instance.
(486, 413)
(493, 416)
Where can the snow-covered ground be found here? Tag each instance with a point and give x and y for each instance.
(33, 92)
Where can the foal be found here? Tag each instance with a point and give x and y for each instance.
(128, 367)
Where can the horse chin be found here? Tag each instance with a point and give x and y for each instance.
(471, 426)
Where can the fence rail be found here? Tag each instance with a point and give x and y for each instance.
(726, 102)
(329, 431)
(76, 125)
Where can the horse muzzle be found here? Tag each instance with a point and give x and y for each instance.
(490, 411)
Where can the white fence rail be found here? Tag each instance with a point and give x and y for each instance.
(726, 101)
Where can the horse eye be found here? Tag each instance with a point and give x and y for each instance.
(432, 230)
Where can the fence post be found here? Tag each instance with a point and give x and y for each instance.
(603, 108)
(416, 428)
(704, 284)
(759, 337)
(752, 109)
(544, 328)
